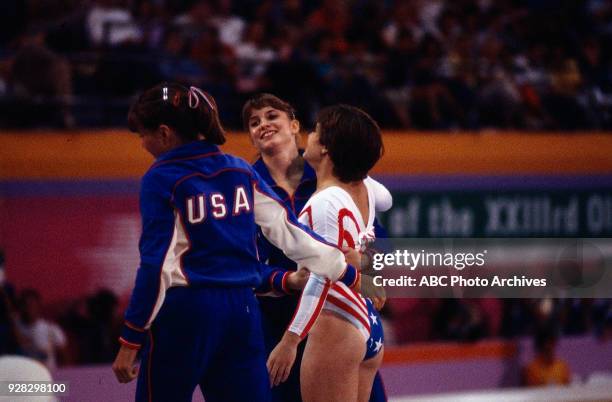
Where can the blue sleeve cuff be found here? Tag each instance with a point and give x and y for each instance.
(279, 281)
(350, 276)
(132, 336)
(264, 287)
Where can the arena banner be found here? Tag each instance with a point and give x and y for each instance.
(494, 213)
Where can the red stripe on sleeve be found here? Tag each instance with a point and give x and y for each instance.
(284, 283)
(317, 311)
(129, 344)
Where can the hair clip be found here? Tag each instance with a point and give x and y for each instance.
(194, 99)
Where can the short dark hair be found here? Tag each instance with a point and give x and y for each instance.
(262, 100)
(352, 139)
(190, 112)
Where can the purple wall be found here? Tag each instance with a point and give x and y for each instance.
(584, 355)
(429, 378)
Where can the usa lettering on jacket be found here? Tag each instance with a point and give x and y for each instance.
(198, 207)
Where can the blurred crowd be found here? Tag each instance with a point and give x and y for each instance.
(86, 330)
(79, 331)
(467, 320)
(422, 64)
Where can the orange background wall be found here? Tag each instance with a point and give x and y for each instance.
(117, 154)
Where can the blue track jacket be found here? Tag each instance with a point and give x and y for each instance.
(200, 210)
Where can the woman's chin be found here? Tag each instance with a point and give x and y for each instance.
(308, 159)
(274, 144)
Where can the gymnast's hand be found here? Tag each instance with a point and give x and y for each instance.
(379, 301)
(124, 367)
(352, 257)
(282, 358)
(297, 280)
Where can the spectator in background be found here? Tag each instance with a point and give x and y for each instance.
(220, 69)
(41, 82)
(253, 54)
(403, 20)
(499, 102)
(13, 18)
(547, 314)
(105, 327)
(458, 320)
(42, 339)
(110, 23)
(517, 315)
(432, 107)
(332, 19)
(9, 341)
(93, 326)
(174, 62)
(216, 59)
(230, 26)
(563, 100)
(5, 285)
(546, 368)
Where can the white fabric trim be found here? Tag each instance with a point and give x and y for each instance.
(171, 273)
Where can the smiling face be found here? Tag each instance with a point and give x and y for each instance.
(272, 129)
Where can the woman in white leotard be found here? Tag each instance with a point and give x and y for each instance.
(344, 147)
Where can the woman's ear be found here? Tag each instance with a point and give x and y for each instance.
(295, 126)
(166, 134)
(295, 130)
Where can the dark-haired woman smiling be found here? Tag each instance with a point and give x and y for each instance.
(273, 129)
